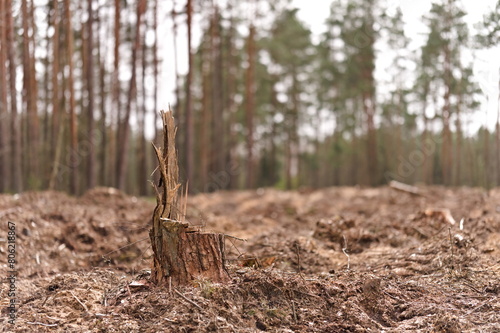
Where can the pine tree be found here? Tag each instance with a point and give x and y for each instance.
(73, 145)
(447, 34)
(16, 161)
(489, 36)
(4, 115)
(290, 49)
(123, 144)
(89, 79)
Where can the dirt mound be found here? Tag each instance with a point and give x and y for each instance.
(107, 196)
(333, 260)
(58, 233)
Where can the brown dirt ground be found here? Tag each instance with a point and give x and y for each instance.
(331, 260)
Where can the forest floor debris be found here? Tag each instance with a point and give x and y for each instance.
(84, 263)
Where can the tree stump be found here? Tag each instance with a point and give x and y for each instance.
(181, 254)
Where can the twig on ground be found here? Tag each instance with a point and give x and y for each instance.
(451, 248)
(304, 293)
(241, 239)
(128, 290)
(297, 248)
(45, 300)
(237, 250)
(78, 300)
(125, 246)
(169, 320)
(187, 299)
(344, 249)
(39, 323)
(481, 305)
(472, 287)
(294, 313)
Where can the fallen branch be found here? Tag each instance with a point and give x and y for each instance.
(39, 323)
(187, 299)
(404, 187)
(240, 239)
(481, 305)
(294, 313)
(84, 306)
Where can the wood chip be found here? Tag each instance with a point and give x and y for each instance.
(404, 187)
(444, 213)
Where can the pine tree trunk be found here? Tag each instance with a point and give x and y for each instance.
(103, 149)
(181, 255)
(426, 179)
(178, 103)
(122, 158)
(56, 133)
(229, 97)
(294, 166)
(446, 154)
(458, 157)
(46, 130)
(4, 146)
(90, 99)
(155, 78)
(250, 104)
(189, 127)
(204, 138)
(497, 137)
(116, 93)
(486, 171)
(218, 147)
(141, 116)
(73, 177)
(16, 161)
(30, 97)
(371, 143)
(497, 152)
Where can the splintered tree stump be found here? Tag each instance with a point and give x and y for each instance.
(186, 256)
(181, 254)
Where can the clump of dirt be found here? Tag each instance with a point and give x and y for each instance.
(332, 260)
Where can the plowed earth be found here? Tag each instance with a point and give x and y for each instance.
(331, 260)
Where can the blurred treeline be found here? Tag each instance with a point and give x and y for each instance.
(264, 102)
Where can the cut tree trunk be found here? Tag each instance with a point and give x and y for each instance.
(181, 254)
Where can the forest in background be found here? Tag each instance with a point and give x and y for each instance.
(263, 104)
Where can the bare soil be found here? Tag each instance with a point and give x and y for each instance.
(331, 260)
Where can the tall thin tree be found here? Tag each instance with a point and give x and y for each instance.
(189, 126)
(142, 161)
(91, 170)
(115, 82)
(57, 129)
(30, 96)
(16, 161)
(122, 158)
(4, 115)
(250, 104)
(73, 142)
(218, 135)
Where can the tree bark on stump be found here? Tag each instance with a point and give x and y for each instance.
(181, 254)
